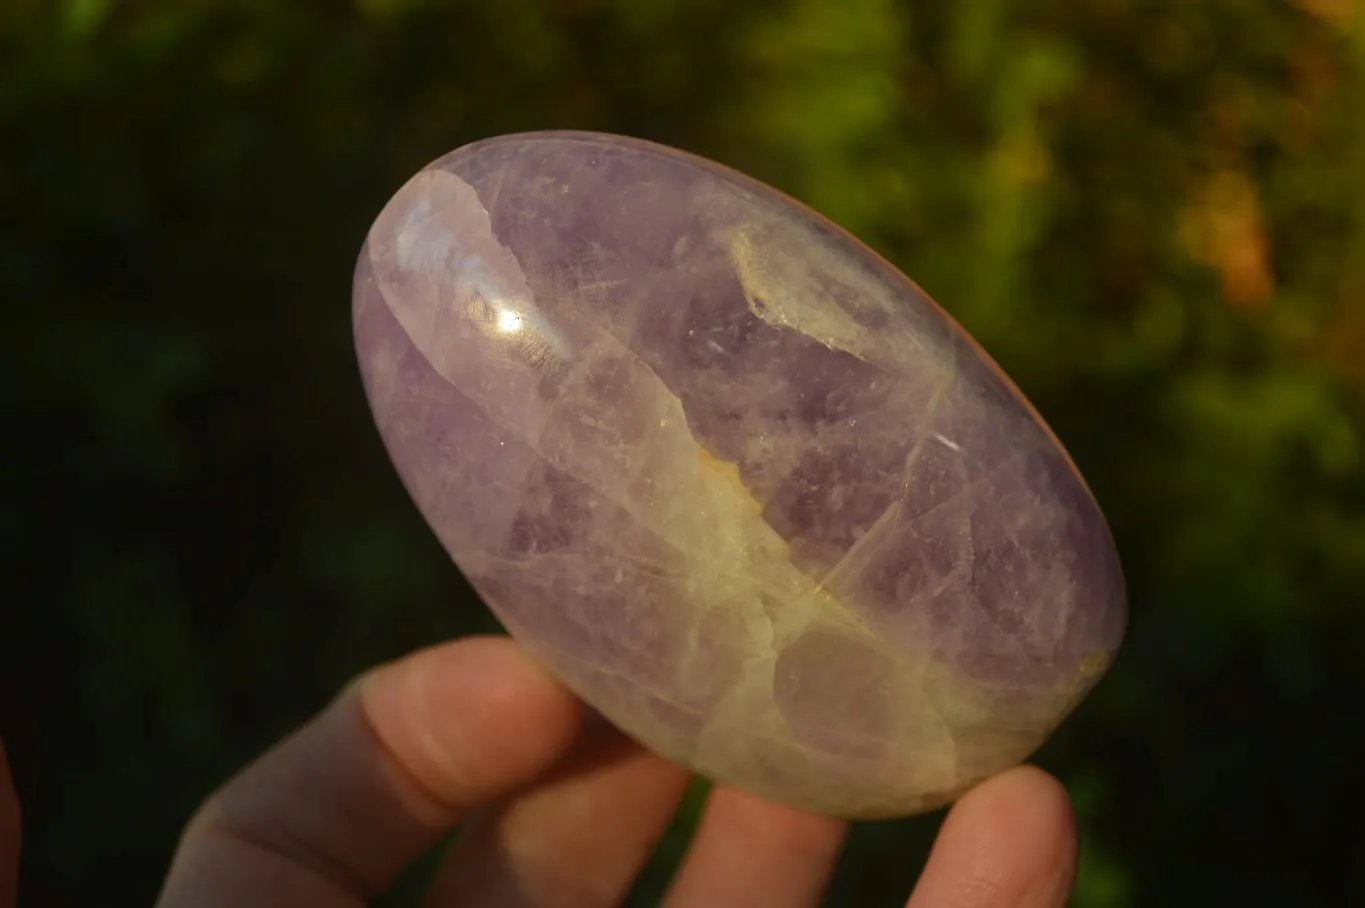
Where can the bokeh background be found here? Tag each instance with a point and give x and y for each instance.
(1152, 212)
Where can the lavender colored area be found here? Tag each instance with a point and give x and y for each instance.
(735, 479)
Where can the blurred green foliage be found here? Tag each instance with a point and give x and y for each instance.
(1151, 211)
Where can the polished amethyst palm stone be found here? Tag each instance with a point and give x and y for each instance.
(729, 475)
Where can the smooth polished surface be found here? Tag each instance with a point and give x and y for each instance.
(730, 475)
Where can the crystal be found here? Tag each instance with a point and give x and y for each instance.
(729, 475)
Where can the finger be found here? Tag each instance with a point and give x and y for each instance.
(332, 815)
(576, 840)
(748, 852)
(9, 835)
(1008, 843)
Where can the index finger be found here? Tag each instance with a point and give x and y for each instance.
(334, 813)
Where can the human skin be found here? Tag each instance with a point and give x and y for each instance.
(9, 834)
(559, 809)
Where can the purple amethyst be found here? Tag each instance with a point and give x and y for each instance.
(730, 475)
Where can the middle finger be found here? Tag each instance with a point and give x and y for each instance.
(576, 840)
(749, 853)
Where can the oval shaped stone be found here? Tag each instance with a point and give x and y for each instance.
(731, 476)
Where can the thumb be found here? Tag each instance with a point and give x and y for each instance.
(9, 836)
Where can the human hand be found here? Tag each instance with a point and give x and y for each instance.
(562, 813)
(9, 835)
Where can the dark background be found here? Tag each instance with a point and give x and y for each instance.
(1152, 213)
